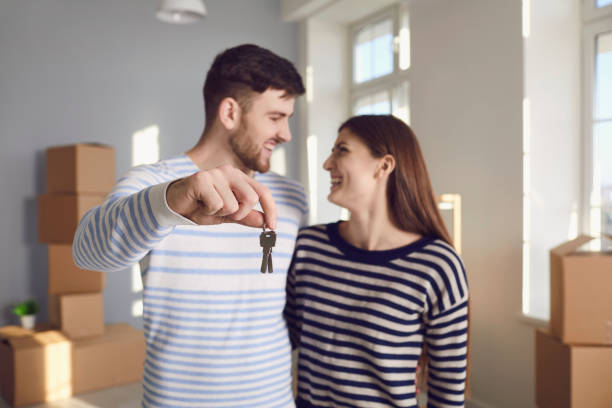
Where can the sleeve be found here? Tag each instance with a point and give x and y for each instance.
(446, 334)
(133, 218)
(290, 311)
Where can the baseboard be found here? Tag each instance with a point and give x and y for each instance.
(473, 403)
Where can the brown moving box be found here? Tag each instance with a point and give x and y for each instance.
(80, 168)
(77, 315)
(65, 277)
(46, 366)
(113, 359)
(580, 294)
(572, 376)
(34, 367)
(59, 215)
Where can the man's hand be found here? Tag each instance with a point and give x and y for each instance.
(223, 194)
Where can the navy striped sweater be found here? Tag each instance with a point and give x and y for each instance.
(360, 319)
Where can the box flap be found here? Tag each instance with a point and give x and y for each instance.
(570, 246)
(11, 332)
(27, 339)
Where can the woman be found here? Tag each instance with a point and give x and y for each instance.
(364, 296)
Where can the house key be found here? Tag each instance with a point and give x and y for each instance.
(267, 240)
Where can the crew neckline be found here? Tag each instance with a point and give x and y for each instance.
(372, 256)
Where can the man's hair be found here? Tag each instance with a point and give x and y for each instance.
(240, 71)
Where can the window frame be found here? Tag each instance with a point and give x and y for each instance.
(386, 82)
(591, 12)
(595, 21)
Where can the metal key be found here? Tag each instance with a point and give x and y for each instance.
(267, 240)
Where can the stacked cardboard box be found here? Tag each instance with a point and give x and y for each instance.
(574, 356)
(77, 179)
(78, 353)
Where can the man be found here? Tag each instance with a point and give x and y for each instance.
(213, 323)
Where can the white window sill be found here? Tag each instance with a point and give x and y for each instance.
(532, 321)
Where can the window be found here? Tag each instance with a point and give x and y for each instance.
(603, 3)
(380, 64)
(598, 123)
(600, 204)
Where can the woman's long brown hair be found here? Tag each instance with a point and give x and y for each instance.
(410, 197)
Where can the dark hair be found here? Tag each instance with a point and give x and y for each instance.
(239, 71)
(410, 197)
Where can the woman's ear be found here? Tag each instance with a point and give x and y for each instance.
(229, 113)
(386, 166)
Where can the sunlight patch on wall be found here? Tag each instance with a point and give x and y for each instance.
(313, 168)
(526, 206)
(136, 279)
(526, 18)
(309, 84)
(145, 146)
(137, 308)
(278, 161)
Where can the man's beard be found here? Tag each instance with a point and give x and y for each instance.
(247, 151)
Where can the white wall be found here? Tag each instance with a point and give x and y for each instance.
(327, 107)
(81, 71)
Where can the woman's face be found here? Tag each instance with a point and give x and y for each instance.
(352, 169)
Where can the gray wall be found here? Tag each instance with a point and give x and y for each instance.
(97, 71)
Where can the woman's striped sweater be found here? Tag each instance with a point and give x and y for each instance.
(360, 319)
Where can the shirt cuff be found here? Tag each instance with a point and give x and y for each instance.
(165, 216)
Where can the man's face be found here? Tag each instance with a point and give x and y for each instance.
(264, 126)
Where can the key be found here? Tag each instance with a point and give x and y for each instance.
(267, 240)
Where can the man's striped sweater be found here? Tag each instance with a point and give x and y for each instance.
(213, 323)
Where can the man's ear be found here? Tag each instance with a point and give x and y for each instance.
(386, 166)
(229, 113)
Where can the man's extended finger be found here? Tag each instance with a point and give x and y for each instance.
(267, 202)
(253, 219)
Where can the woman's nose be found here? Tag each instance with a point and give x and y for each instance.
(327, 164)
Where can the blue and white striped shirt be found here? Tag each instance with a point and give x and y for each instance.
(360, 318)
(213, 323)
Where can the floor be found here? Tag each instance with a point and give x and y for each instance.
(118, 397)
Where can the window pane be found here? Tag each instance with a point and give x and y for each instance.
(373, 51)
(404, 38)
(603, 76)
(602, 176)
(375, 104)
(603, 3)
(401, 106)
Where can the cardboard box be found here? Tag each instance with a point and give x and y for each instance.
(59, 215)
(78, 315)
(572, 376)
(113, 359)
(80, 168)
(580, 294)
(34, 367)
(46, 366)
(66, 278)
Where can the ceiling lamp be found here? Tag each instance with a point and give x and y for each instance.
(181, 11)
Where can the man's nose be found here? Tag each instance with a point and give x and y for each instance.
(285, 133)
